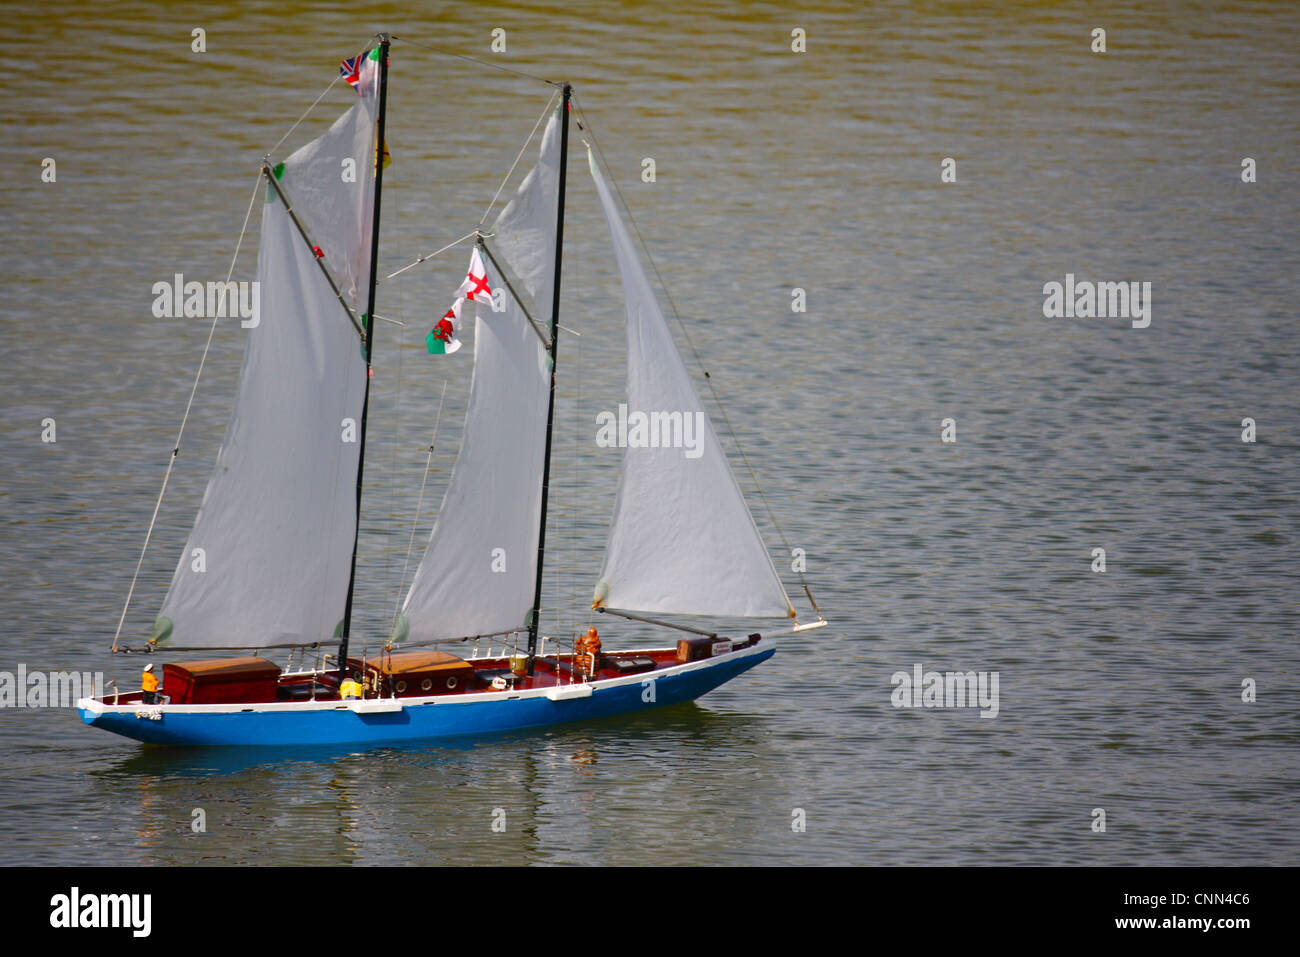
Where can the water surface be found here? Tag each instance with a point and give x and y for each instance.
(775, 170)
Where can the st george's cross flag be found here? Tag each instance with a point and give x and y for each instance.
(475, 287)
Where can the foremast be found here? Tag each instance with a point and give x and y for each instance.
(534, 615)
(369, 320)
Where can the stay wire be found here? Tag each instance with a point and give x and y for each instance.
(545, 113)
(451, 245)
(487, 212)
(404, 300)
(315, 103)
(461, 56)
(428, 464)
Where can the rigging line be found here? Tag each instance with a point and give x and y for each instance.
(428, 462)
(574, 602)
(487, 212)
(314, 103)
(570, 598)
(546, 112)
(461, 56)
(176, 447)
(696, 355)
(457, 242)
(453, 641)
(404, 299)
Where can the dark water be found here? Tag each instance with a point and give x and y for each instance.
(820, 170)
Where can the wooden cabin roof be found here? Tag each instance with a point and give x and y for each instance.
(407, 662)
(222, 668)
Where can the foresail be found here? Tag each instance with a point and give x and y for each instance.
(267, 561)
(478, 574)
(682, 540)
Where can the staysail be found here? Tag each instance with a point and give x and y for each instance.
(479, 570)
(267, 561)
(682, 540)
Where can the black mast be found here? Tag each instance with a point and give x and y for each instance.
(550, 407)
(370, 336)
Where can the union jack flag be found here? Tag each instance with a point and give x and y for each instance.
(350, 70)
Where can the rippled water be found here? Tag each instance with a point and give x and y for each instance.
(820, 170)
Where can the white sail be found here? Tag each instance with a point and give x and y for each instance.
(268, 559)
(478, 574)
(525, 230)
(682, 539)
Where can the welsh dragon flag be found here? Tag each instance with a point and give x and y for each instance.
(442, 340)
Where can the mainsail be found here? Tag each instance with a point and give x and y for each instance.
(479, 570)
(268, 559)
(682, 539)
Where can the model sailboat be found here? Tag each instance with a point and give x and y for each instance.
(271, 560)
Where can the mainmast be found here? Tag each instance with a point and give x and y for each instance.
(370, 336)
(555, 343)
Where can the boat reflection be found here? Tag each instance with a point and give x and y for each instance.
(558, 794)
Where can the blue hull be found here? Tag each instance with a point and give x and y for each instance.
(448, 717)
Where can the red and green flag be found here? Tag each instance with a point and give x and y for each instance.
(442, 340)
